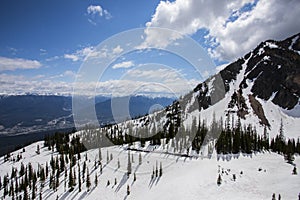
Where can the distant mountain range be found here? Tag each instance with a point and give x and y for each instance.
(32, 113)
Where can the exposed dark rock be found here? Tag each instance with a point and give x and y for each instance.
(258, 110)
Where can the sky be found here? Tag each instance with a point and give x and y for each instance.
(44, 45)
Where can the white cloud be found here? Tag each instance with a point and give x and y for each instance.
(93, 52)
(69, 73)
(43, 51)
(52, 58)
(125, 64)
(97, 10)
(229, 38)
(117, 50)
(11, 64)
(155, 75)
(73, 57)
(80, 54)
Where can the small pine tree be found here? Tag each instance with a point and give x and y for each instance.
(107, 157)
(153, 173)
(129, 165)
(38, 149)
(140, 159)
(281, 134)
(295, 171)
(160, 169)
(273, 196)
(83, 171)
(156, 170)
(96, 179)
(128, 190)
(65, 181)
(40, 195)
(79, 178)
(33, 190)
(88, 181)
(219, 180)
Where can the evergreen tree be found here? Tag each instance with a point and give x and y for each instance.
(129, 165)
(25, 195)
(281, 134)
(160, 169)
(38, 149)
(83, 171)
(107, 157)
(128, 190)
(79, 178)
(96, 179)
(71, 179)
(140, 158)
(74, 177)
(219, 180)
(40, 195)
(16, 186)
(156, 170)
(33, 189)
(47, 169)
(95, 164)
(88, 181)
(57, 180)
(295, 171)
(22, 170)
(51, 181)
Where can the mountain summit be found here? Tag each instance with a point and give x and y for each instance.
(261, 86)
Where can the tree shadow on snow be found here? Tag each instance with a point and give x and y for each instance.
(122, 182)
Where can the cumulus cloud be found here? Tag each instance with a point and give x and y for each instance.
(11, 64)
(80, 54)
(232, 29)
(125, 64)
(92, 9)
(97, 10)
(93, 52)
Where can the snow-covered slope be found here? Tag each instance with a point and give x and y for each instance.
(262, 88)
(257, 176)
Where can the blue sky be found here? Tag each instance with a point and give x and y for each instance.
(44, 43)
